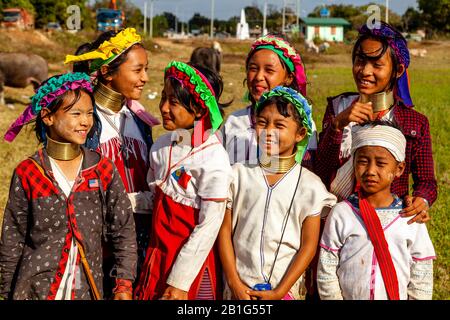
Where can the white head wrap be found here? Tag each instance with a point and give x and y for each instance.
(379, 136)
(369, 135)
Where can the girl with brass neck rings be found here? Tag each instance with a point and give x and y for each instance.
(57, 214)
(271, 227)
(272, 61)
(189, 176)
(118, 62)
(380, 61)
(380, 70)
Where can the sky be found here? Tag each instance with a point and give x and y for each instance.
(224, 9)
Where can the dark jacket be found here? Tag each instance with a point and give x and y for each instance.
(40, 221)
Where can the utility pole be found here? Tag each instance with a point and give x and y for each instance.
(145, 17)
(211, 33)
(298, 15)
(265, 17)
(151, 18)
(387, 11)
(284, 16)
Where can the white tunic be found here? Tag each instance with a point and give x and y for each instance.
(258, 214)
(239, 137)
(209, 172)
(348, 267)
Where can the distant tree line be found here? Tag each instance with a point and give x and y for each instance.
(431, 15)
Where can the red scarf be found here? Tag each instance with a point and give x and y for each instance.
(376, 235)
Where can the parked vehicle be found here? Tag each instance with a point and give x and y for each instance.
(17, 18)
(109, 19)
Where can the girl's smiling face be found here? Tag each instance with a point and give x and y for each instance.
(372, 71)
(174, 114)
(265, 71)
(131, 77)
(73, 125)
(278, 135)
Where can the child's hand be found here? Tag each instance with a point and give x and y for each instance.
(264, 295)
(172, 293)
(123, 296)
(418, 207)
(239, 291)
(358, 112)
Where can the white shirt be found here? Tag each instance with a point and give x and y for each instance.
(210, 174)
(258, 212)
(347, 254)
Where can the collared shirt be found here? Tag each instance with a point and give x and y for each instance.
(419, 157)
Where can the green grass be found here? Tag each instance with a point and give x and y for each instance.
(328, 75)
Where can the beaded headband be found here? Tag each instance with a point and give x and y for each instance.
(301, 105)
(45, 95)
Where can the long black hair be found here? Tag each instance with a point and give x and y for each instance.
(186, 99)
(357, 52)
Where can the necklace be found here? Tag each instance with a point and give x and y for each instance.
(62, 150)
(380, 101)
(277, 164)
(108, 98)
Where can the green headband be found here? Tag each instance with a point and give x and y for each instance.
(280, 53)
(303, 108)
(196, 83)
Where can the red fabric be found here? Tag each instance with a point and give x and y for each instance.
(419, 155)
(376, 235)
(173, 223)
(184, 180)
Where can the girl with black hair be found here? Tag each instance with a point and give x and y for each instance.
(122, 132)
(272, 61)
(271, 227)
(189, 176)
(63, 201)
(380, 60)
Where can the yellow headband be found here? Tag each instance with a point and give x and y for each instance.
(109, 48)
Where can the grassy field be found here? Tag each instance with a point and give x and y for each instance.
(328, 74)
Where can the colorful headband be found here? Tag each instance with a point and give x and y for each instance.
(200, 88)
(285, 51)
(398, 43)
(45, 95)
(301, 105)
(108, 50)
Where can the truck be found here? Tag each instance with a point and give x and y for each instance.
(109, 19)
(17, 18)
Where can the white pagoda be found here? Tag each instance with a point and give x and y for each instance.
(242, 32)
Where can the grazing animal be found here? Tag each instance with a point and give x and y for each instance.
(18, 70)
(207, 57)
(311, 46)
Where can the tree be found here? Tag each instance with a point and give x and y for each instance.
(171, 19)
(160, 24)
(253, 16)
(199, 22)
(436, 14)
(412, 20)
(56, 11)
(26, 4)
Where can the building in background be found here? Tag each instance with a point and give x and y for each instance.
(325, 28)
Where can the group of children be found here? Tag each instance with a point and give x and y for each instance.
(214, 209)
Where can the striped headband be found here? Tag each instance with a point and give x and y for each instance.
(303, 108)
(200, 89)
(285, 51)
(380, 136)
